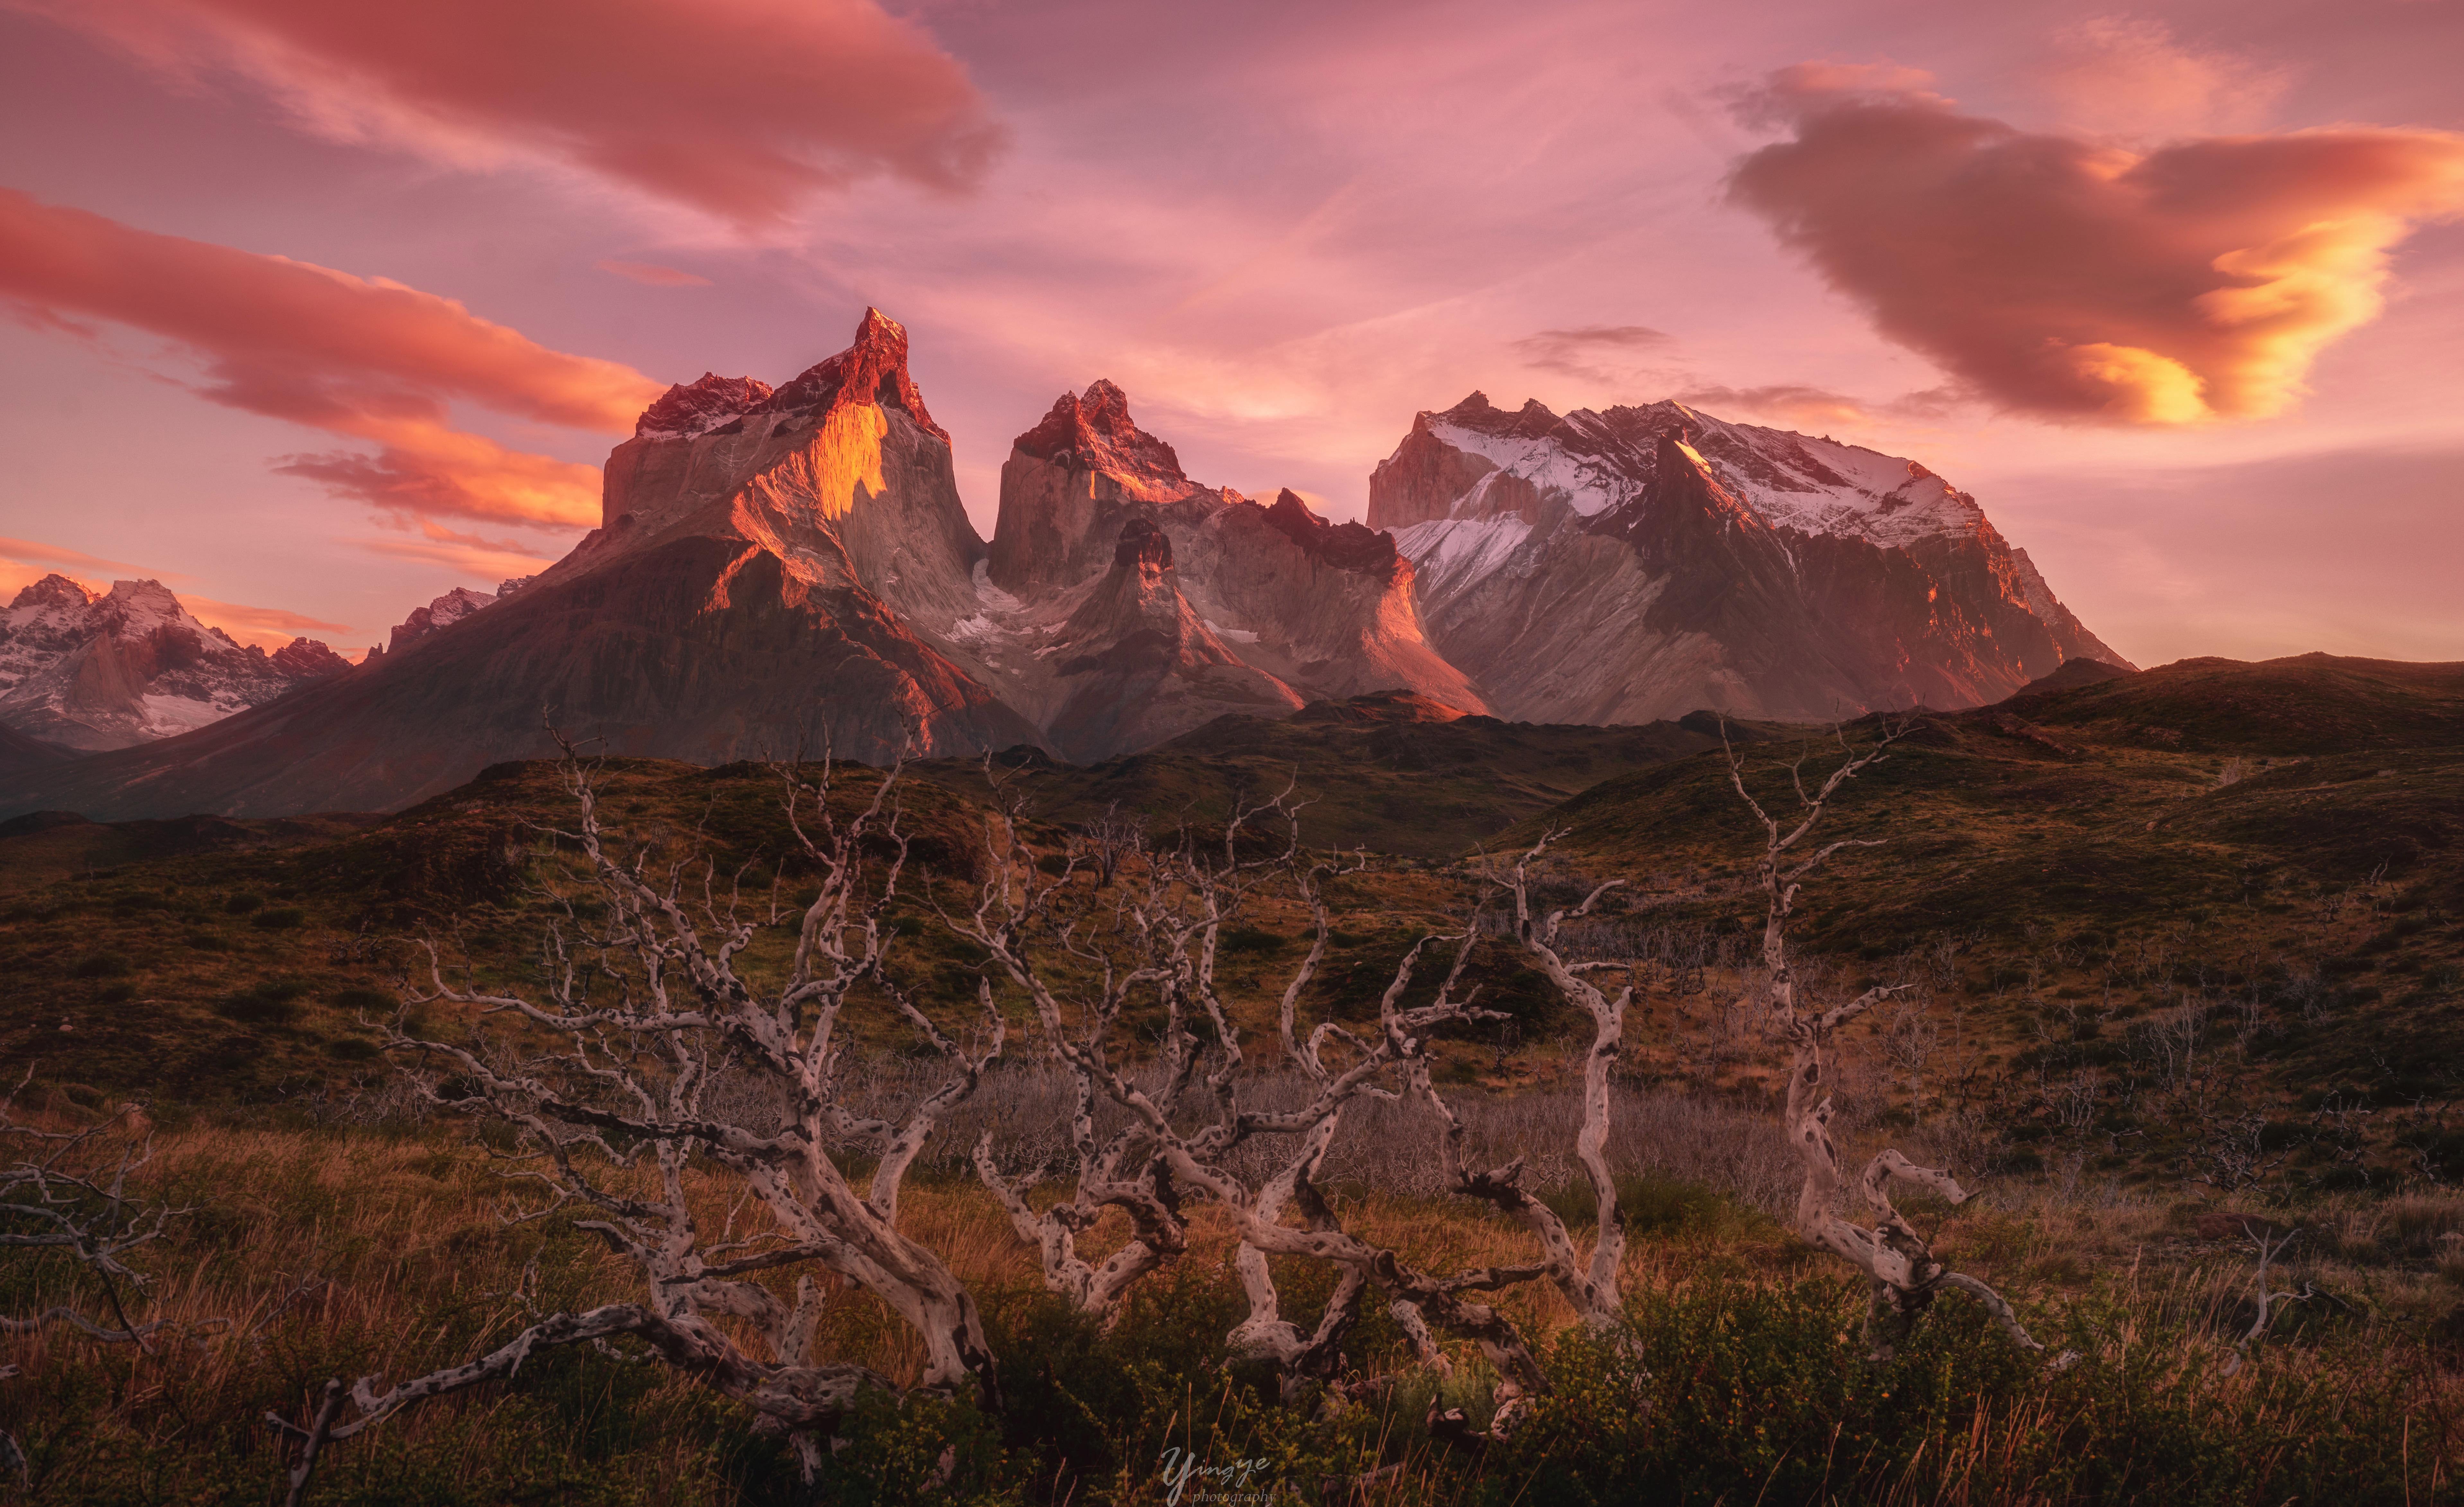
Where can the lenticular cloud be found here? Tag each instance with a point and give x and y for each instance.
(2057, 277)
(363, 358)
(737, 107)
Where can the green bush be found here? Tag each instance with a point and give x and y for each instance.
(281, 918)
(101, 965)
(243, 902)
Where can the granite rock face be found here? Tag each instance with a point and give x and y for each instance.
(768, 578)
(1304, 609)
(789, 570)
(1645, 562)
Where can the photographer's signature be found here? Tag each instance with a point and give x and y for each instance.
(1235, 1483)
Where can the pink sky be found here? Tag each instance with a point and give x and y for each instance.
(316, 310)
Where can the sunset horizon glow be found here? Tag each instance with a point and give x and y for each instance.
(317, 312)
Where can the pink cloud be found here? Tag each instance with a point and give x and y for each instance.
(266, 627)
(469, 555)
(651, 275)
(738, 107)
(2077, 281)
(51, 557)
(359, 356)
(2129, 76)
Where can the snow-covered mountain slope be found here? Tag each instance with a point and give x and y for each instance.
(1647, 562)
(132, 665)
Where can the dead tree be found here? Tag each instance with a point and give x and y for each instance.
(606, 1077)
(1592, 1287)
(1902, 1274)
(1190, 1111)
(2269, 1241)
(68, 1192)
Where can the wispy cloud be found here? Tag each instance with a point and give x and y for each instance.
(29, 553)
(1594, 352)
(652, 273)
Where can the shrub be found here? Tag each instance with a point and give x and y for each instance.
(1250, 941)
(272, 1002)
(282, 918)
(101, 965)
(243, 902)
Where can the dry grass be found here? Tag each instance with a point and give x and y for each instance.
(408, 1231)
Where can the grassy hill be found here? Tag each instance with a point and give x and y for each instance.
(2099, 883)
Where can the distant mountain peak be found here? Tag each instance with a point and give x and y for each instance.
(689, 409)
(1345, 546)
(132, 665)
(1092, 431)
(55, 590)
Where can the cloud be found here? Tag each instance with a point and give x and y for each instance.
(364, 358)
(1590, 352)
(267, 627)
(477, 559)
(52, 556)
(2123, 76)
(2081, 281)
(1787, 402)
(426, 470)
(1792, 402)
(738, 107)
(653, 275)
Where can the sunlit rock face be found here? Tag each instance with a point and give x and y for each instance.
(132, 665)
(788, 570)
(1303, 608)
(1646, 562)
(769, 577)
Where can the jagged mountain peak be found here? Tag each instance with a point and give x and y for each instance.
(55, 590)
(1345, 546)
(132, 665)
(872, 370)
(1092, 431)
(1763, 572)
(694, 408)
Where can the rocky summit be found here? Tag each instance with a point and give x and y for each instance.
(1645, 562)
(132, 665)
(785, 570)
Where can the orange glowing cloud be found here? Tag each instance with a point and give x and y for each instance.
(2077, 281)
(466, 555)
(364, 358)
(266, 627)
(738, 107)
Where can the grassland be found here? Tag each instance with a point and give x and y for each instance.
(2180, 944)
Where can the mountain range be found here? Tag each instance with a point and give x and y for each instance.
(789, 570)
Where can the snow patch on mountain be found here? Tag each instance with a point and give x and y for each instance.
(132, 665)
(1448, 553)
(1588, 486)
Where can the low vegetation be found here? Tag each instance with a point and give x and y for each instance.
(1172, 1158)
